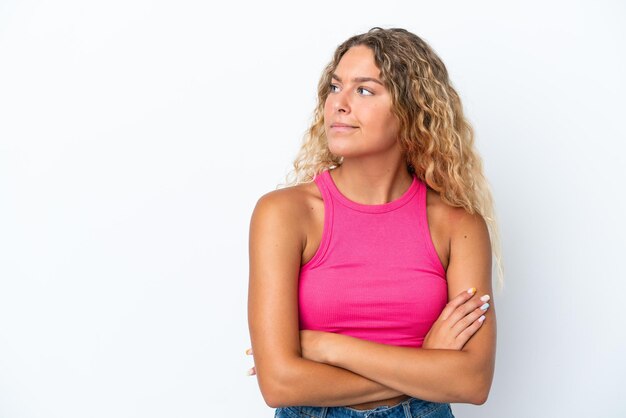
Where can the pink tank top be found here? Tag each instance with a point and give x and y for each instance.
(376, 275)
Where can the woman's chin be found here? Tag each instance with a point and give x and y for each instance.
(342, 151)
(342, 147)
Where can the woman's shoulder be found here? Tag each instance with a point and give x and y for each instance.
(294, 197)
(448, 217)
(295, 203)
(439, 208)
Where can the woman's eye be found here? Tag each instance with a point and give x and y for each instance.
(369, 93)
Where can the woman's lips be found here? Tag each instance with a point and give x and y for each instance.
(340, 128)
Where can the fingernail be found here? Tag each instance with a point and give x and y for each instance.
(482, 318)
(249, 372)
(484, 307)
(248, 350)
(471, 290)
(485, 298)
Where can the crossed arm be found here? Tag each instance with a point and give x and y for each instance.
(356, 371)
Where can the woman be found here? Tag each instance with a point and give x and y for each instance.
(358, 294)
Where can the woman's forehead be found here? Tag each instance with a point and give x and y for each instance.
(358, 61)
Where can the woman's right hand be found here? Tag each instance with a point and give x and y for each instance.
(459, 320)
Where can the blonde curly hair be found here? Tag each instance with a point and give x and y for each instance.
(437, 140)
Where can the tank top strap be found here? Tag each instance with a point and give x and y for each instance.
(422, 214)
(329, 216)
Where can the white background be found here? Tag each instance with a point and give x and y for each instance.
(137, 136)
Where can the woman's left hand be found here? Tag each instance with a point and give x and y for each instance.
(312, 344)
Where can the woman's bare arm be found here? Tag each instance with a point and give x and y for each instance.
(434, 374)
(286, 378)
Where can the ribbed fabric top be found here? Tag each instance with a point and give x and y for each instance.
(376, 274)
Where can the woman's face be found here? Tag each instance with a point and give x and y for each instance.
(358, 98)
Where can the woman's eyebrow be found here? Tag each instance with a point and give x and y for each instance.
(360, 79)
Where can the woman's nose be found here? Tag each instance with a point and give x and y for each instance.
(340, 103)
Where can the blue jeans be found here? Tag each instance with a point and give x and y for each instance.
(410, 408)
